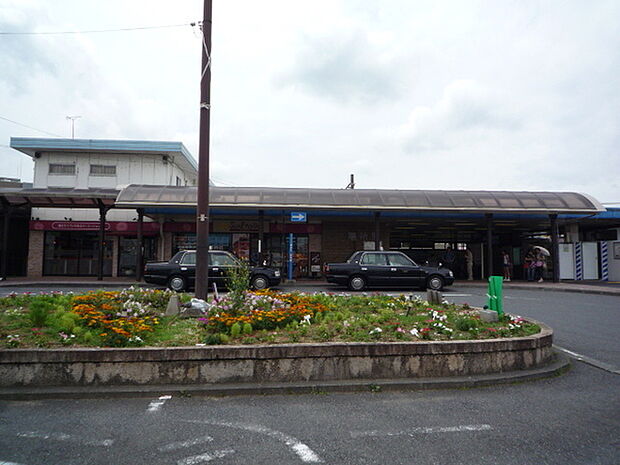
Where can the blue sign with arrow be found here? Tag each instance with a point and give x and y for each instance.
(299, 217)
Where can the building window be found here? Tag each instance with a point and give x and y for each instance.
(102, 170)
(66, 170)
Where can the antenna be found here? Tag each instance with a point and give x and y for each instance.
(351, 184)
(73, 118)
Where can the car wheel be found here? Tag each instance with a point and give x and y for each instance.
(435, 283)
(177, 283)
(357, 283)
(260, 282)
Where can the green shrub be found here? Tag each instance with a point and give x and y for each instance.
(466, 324)
(247, 328)
(39, 311)
(213, 339)
(238, 284)
(235, 330)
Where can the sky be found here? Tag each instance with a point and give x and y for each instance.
(482, 95)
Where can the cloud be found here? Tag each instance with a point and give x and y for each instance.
(21, 56)
(344, 68)
(465, 109)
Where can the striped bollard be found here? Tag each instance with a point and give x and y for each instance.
(578, 262)
(604, 262)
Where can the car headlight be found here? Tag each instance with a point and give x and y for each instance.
(277, 273)
(450, 273)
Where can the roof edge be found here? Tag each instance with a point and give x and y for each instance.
(30, 145)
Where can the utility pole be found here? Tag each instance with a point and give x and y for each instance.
(351, 184)
(202, 210)
(73, 118)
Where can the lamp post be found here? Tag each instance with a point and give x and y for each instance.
(202, 210)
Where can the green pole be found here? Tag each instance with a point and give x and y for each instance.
(495, 291)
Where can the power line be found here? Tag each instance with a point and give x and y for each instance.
(93, 31)
(30, 127)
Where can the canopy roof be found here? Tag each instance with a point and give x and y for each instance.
(357, 199)
(59, 197)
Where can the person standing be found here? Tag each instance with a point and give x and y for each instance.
(540, 264)
(449, 258)
(469, 263)
(507, 265)
(528, 265)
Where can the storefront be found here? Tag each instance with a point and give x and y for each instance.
(241, 237)
(70, 248)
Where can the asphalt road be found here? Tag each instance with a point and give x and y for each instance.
(572, 419)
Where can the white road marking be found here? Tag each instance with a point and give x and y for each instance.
(184, 444)
(422, 430)
(302, 450)
(590, 361)
(206, 457)
(10, 463)
(65, 437)
(155, 405)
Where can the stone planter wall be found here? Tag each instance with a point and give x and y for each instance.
(271, 363)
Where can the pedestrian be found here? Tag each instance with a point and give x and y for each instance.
(469, 263)
(448, 258)
(528, 264)
(507, 265)
(540, 264)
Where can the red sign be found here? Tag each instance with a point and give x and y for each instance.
(296, 228)
(110, 226)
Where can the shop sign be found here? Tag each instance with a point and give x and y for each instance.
(235, 226)
(296, 228)
(111, 226)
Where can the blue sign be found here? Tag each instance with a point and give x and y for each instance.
(299, 217)
(290, 256)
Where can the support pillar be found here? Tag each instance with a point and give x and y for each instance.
(8, 211)
(377, 231)
(261, 236)
(489, 257)
(140, 247)
(102, 213)
(555, 247)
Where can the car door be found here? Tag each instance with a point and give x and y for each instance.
(187, 267)
(220, 265)
(404, 272)
(373, 266)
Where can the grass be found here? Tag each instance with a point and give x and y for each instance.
(133, 318)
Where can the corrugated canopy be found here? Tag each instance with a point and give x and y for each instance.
(367, 199)
(59, 197)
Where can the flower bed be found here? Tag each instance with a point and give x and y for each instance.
(133, 317)
(103, 318)
(271, 317)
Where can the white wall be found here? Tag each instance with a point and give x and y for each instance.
(130, 169)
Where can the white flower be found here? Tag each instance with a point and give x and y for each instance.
(306, 320)
(414, 332)
(376, 331)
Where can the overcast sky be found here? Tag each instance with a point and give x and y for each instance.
(513, 94)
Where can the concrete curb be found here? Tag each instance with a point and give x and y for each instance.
(558, 366)
(590, 290)
(301, 284)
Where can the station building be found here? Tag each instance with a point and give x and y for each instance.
(94, 202)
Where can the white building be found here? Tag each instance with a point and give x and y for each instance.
(63, 241)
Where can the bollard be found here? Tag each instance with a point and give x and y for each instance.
(495, 296)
